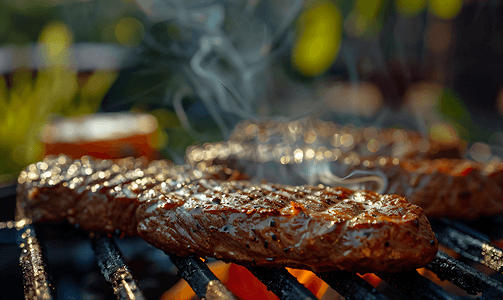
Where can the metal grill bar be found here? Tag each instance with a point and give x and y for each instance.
(469, 243)
(416, 286)
(465, 277)
(351, 286)
(282, 283)
(36, 281)
(200, 278)
(114, 268)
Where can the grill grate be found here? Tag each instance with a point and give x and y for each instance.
(465, 277)
(37, 284)
(114, 268)
(282, 283)
(455, 235)
(350, 285)
(204, 283)
(469, 243)
(416, 286)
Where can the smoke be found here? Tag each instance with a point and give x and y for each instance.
(227, 52)
(302, 151)
(223, 49)
(229, 56)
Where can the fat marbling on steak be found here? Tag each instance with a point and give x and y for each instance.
(186, 211)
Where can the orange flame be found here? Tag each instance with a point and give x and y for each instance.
(244, 285)
(371, 278)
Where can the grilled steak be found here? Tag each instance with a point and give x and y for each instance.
(426, 177)
(365, 141)
(97, 195)
(317, 228)
(189, 212)
(454, 188)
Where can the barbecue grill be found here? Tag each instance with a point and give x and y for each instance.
(44, 278)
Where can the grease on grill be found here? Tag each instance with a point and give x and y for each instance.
(493, 257)
(217, 291)
(35, 279)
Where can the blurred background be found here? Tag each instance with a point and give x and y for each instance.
(199, 67)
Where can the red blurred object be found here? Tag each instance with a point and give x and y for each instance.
(103, 135)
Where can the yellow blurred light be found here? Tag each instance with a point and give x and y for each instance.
(309, 137)
(56, 40)
(347, 140)
(310, 154)
(162, 140)
(298, 154)
(129, 32)
(444, 133)
(165, 118)
(445, 9)
(93, 91)
(319, 39)
(410, 7)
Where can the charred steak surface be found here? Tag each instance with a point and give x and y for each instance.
(186, 211)
(99, 195)
(310, 227)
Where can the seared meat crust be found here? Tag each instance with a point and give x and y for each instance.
(316, 228)
(185, 211)
(438, 185)
(454, 188)
(428, 173)
(98, 195)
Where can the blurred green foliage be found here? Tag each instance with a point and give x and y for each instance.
(21, 21)
(453, 110)
(30, 98)
(33, 99)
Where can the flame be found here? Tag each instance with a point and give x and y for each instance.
(317, 286)
(371, 278)
(244, 285)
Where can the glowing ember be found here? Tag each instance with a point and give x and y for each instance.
(244, 285)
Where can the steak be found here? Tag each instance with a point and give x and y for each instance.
(309, 227)
(187, 211)
(433, 183)
(472, 188)
(365, 141)
(98, 195)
